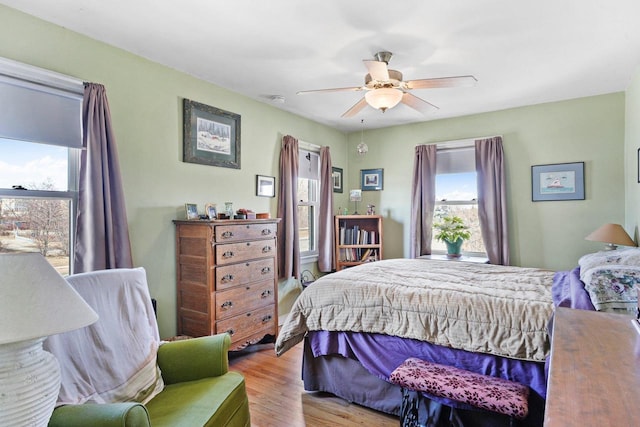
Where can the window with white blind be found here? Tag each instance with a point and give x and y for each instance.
(308, 202)
(40, 142)
(457, 194)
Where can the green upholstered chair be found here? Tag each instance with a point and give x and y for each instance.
(117, 372)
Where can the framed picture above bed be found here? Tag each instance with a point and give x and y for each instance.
(560, 181)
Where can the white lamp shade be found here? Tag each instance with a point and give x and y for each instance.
(611, 233)
(383, 98)
(36, 301)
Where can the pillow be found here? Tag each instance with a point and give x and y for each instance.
(612, 287)
(623, 256)
(113, 360)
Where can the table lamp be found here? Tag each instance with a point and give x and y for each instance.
(35, 302)
(612, 235)
(355, 196)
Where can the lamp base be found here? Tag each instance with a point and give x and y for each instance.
(610, 247)
(29, 383)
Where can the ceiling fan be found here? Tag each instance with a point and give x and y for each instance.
(385, 88)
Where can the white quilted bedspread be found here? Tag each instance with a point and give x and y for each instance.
(476, 307)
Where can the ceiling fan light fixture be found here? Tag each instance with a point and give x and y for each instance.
(383, 98)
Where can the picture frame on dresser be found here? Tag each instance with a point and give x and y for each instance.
(211, 211)
(211, 135)
(191, 211)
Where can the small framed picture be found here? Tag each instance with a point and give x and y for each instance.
(191, 210)
(371, 179)
(211, 211)
(336, 174)
(560, 181)
(265, 186)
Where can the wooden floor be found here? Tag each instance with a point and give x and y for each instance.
(277, 397)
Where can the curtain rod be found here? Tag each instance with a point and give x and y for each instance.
(308, 146)
(459, 143)
(31, 74)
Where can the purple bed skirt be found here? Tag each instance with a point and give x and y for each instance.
(356, 366)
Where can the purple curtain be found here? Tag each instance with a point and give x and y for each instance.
(102, 234)
(423, 197)
(325, 227)
(288, 243)
(492, 200)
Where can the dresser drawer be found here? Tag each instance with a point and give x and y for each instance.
(240, 299)
(236, 232)
(238, 252)
(245, 272)
(246, 324)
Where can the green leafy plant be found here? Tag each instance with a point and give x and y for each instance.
(451, 228)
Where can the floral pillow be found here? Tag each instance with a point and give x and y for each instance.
(612, 287)
(622, 256)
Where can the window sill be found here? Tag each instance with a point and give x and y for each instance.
(309, 259)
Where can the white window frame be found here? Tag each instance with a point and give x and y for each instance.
(447, 146)
(313, 203)
(57, 82)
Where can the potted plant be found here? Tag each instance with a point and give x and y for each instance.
(452, 231)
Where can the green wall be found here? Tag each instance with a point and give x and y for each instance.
(632, 165)
(542, 234)
(145, 100)
(146, 106)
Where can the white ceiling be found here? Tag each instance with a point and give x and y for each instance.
(522, 52)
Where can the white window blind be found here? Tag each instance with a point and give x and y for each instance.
(47, 108)
(309, 165)
(455, 160)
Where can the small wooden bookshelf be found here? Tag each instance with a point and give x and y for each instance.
(358, 239)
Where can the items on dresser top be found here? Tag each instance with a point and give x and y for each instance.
(227, 279)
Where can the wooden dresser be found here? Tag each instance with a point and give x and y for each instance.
(227, 279)
(594, 375)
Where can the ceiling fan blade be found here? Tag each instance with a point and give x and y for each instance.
(417, 103)
(356, 108)
(377, 69)
(458, 81)
(336, 89)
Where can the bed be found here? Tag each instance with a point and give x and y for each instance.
(360, 323)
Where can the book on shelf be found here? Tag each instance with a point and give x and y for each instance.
(357, 236)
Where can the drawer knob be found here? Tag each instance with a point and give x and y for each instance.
(227, 234)
(266, 231)
(266, 318)
(266, 249)
(228, 254)
(265, 270)
(266, 293)
(227, 278)
(230, 331)
(226, 305)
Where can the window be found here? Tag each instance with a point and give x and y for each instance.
(38, 180)
(457, 194)
(308, 202)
